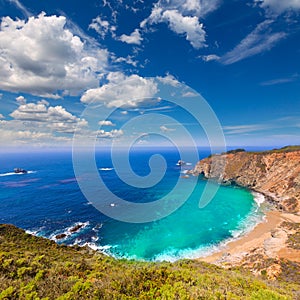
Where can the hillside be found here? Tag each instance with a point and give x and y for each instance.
(275, 173)
(35, 268)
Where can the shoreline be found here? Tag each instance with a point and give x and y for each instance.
(267, 238)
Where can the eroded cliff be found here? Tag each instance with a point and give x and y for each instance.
(273, 173)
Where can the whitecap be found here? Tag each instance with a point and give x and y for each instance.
(95, 247)
(258, 198)
(106, 169)
(68, 231)
(13, 173)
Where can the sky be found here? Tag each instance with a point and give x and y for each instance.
(109, 71)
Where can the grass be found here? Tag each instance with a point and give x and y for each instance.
(36, 268)
(285, 149)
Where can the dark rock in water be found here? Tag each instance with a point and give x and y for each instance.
(76, 228)
(60, 236)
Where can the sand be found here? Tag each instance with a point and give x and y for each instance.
(267, 237)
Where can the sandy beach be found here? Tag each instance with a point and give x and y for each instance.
(267, 238)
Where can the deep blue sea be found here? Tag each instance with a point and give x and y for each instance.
(48, 201)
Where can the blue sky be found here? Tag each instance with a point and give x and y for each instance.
(59, 57)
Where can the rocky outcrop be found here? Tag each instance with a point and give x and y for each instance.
(276, 174)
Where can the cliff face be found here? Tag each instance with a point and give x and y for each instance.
(275, 174)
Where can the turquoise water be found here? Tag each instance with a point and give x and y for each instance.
(48, 201)
(190, 232)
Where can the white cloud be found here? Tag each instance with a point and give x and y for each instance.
(189, 94)
(110, 134)
(40, 56)
(240, 129)
(164, 128)
(128, 60)
(180, 24)
(102, 27)
(280, 80)
(122, 90)
(124, 112)
(1, 116)
(133, 38)
(26, 137)
(106, 123)
(20, 6)
(210, 57)
(168, 80)
(182, 18)
(279, 6)
(52, 117)
(199, 8)
(258, 41)
(21, 100)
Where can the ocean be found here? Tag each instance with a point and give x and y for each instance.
(47, 201)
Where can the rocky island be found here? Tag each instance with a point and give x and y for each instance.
(276, 175)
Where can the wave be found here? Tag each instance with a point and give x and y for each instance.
(258, 198)
(171, 255)
(184, 171)
(69, 231)
(183, 164)
(32, 232)
(254, 218)
(13, 173)
(102, 249)
(106, 169)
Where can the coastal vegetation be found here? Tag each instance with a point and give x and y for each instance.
(285, 149)
(35, 268)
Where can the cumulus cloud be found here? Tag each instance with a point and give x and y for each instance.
(21, 100)
(279, 6)
(134, 38)
(26, 137)
(106, 123)
(128, 60)
(122, 90)
(110, 134)
(40, 56)
(182, 17)
(261, 39)
(189, 26)
(198, 8)
(55, 118)
(1, 116)
(102, 27)
(168, 80)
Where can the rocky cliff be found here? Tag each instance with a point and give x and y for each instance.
(274, 173)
